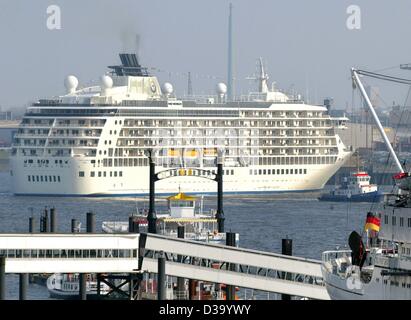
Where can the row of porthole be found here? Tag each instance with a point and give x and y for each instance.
(394, 221)
(101, 174)
(396, 283)
(33, 178)
(279, 171)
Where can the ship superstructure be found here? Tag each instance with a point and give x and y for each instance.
(93, 141)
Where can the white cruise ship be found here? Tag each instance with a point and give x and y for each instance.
(93, 141)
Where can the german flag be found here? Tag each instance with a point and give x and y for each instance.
(372, 222)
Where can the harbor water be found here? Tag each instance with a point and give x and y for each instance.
(262, 221)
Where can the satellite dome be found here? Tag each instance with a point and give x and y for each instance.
(167, 88)
(221, 88)
(106, 82)
(71, 83)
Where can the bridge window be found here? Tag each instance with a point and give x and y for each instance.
(120, 173)
(92, 174)
(305, 171)
(58, 178)
(29, 178)
(99, 174)
(41, 178)
(385, 219)
(394, 221)
(409, 222)
(54, 178)
(401, 221)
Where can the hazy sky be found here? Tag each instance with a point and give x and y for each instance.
(306, 44)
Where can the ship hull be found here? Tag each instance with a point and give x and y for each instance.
(363, 197)
(64, 180)
(338, 289)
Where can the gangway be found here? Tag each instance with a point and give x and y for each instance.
(132, 253)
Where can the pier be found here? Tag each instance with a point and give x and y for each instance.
(139, 253)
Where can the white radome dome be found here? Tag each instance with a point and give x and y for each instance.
(71, 83)
(106, 81)
(167, 88)
(221, 88)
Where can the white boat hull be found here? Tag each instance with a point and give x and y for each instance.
(134, 180)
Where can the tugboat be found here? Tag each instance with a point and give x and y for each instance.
(380, 269)
(356, 188)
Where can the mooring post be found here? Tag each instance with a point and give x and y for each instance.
(161, 277)
(53, 220)
(44, 221)
(152, 217)
(220, 211)
(23, 282)
(230, 241)
(91, 222)
(2, 278)
(286, 249)
(32, 225)
(181, 287)
(74, 225)
(133, 225)
(82, 286)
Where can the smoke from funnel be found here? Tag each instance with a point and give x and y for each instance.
(130, 42)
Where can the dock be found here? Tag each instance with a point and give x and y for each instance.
(139, 253)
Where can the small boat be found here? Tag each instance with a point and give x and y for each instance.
(198, 224)
(67, 286)
(356, 188)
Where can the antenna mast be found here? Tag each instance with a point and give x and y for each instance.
(230, 55)
(189, 85)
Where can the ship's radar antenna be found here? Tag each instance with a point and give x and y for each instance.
(71, 84)
(221, 89)
(167, 89)
(106, 83)
(261, 77)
